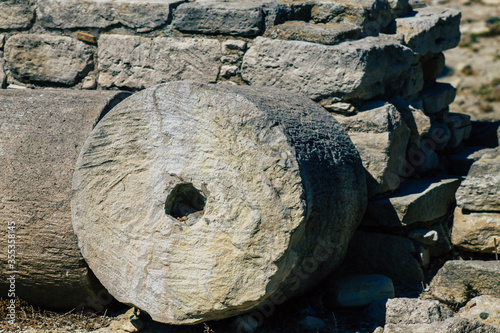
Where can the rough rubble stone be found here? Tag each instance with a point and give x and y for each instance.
(484, 308)
(16, 15)
(415, 201)
(371, 15)
(431, 29)
(328, 34)
(360, 69)
(458, 281)
(175, 213)
(136, 62)
(476, 232)
(480, 191)
(437, 97)
(414, 81)
(455, 325)
(243, 18)
(144, 14)
(460, 128)
(359, 290)
(381, 136)
(41, 133)
(432, 66)
(415, 311)
(386, 254)
(43, 58)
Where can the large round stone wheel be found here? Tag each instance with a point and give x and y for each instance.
(196, 202)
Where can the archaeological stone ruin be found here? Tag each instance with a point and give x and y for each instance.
(200, 159)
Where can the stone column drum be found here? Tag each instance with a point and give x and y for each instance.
(197, 202)
(41, 134)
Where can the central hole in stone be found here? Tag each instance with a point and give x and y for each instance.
(184, 202)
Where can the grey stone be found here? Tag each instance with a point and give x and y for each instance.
(351, 69)
(381, 136)
(386, 254)
(455, 325)
(476, 232)
(359, 290)
(323, 33)
(480, 191)
(415, 201)
(228, 71)
(137, 63)
(460, 128)
(439, 136)
(16, 15)
(484, 308)
(421, 157)
(41, 133)
(372, 16)
(431, 29)
(202, 209)
(415, 311)
(45, 58)
(414, 81)
(432, 66)
(458, 281)
(144, 14)
(232, 45)
(437, 97)
(243, 18)
(342, 108)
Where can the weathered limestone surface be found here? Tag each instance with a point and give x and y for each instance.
(415, 311)
(244, 18)
(351, 69)
(327, 34)
(136, 62)
(457, 280)
(437, 97)
(415, 201)
(381, 137)
(455, 325)
(41, 133)
(47, 58)
(371, 16)
(16, 14)
(144, 14)
(482, 308)
(480, 191)
(431, 29)
(476, 231)
(175, 213)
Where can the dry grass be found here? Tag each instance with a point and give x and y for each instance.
(28, 316)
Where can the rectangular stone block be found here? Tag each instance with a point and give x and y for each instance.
(476, 232)
(144, 14)
(136, 63)
(414, 201)
(16, 15)
(359, 69)
(431, 29)
(242, 18)
(44, 58)
(480, 191)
